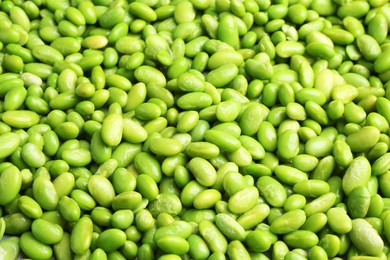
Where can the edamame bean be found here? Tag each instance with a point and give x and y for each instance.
(320, 204)
(203, 171)
(143, 11)
(29, 207)
(357, 174)
(216, 60)
(380, 165)
(294, 201)
(159, 146)
(248, 125)
(16, 223)
(311, 188)
(288, 222)
(301, 239)
(81, 230)
(112, 129)
(258, 241)
(227, 31)
(371, 243)
(315, 222)
(46, 232)
(223, 75)
(10, 183)
(101, 190)
(20, 118)
(243, 200)
(274, 192)
(237, 249)
(160, 204)
(147, 186)
(111, 239)
(33, 248)
(230, 227)
(173, 244)
(145, 163)
(206, 199)
(368, 46)
(358, 202)
(10, 247)
(289, 175)
(213, 237)
(338, 220)
(202, 149)
(44, 192)
(288, 144)
(254, 216)
(331, 244)
(69, 209)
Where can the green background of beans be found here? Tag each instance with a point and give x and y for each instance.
(195, 129)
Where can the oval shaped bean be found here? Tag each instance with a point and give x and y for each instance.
(250, 119)
(194, 101)
(112, 129)
(165, 146)
(20, 118)
(358, 202)
(368, 46)
(202, 149)
(338, 220)
(273, 191)
(370, 243)
(254, 216)
(147, 186)
(357, 174)
(44, 193)
(301, 239)
(230, 227)
(146, 163)
(10, 184)
(10, 247)
(213, 237)
(166, 203)
(320, 204)
(258, 241)
(207, 199)
(288, 222)
(243, 200)
(29, 207)
(46, 232)
(311, 188)
(33, 248)
(111, 239)
(101, 189)
(9, 142)
(81, 235)
(289, 175)
(203, 171)
(288, 144)
(173, 244)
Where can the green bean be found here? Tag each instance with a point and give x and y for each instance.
(288, 222)
(33, 248)
(10, 247)
(213, 237)
(374, 246)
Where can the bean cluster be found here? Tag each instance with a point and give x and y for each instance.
(195, 129)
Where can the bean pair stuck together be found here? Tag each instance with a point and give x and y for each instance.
(195, 129)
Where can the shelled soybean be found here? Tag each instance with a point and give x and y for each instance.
(195, 129)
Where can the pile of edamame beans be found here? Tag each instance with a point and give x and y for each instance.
(195, 129)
